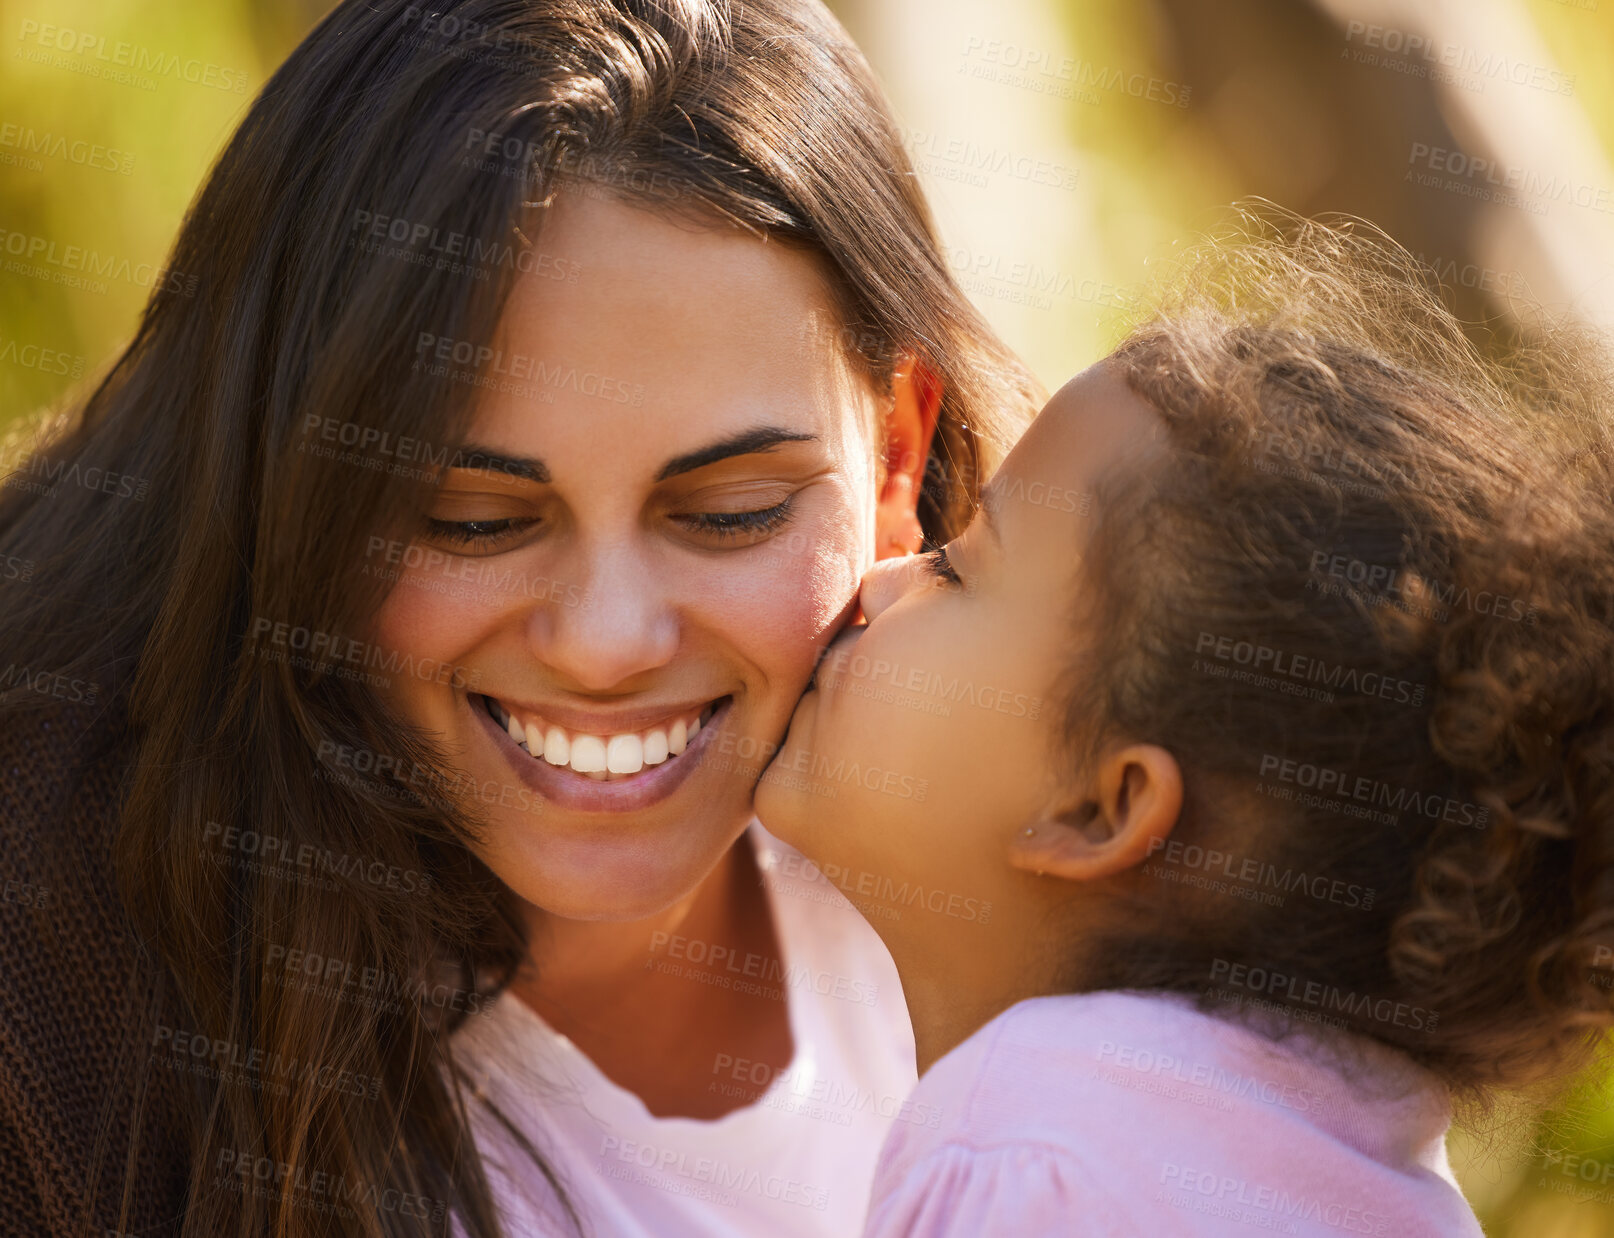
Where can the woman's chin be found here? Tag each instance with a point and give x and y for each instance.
(613, 879)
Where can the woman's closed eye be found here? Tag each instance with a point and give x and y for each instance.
(722, 527)
(738, 526)
(478, 533)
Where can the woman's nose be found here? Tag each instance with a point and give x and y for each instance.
(885, 582)
(618, 623)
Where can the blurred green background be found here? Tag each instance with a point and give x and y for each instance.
(1065, 145)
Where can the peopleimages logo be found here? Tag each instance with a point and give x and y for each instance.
(1535, 189)
(49, 683)
(372, 231)
(844, 669)
(1386, 584)
(527, 374)
(36, 357)
(27, 142)
(1342, 783)
(1167, 1068)
(430, 566)
(13, 568)
(131, 56)
(870, 892)
(275, 640)
(1215, 1194)
(81, 266)
(1261, 657)
(1326, 998)
(1486, 65)
(229, 1062)
(318, 1189)
(1047, 72)
(339, 979)
(720, 1175)
(802, 1083)
(1253, 874)
(974, 164)
(284, 853)
(813, 771)
(752, 966)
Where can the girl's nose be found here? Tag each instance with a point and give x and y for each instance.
(886, 581)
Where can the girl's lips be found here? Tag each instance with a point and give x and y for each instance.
(566, 789)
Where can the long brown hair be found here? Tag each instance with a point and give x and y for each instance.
(1367, 601)
(388, 184)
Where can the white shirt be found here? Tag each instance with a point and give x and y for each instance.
(797, 1163)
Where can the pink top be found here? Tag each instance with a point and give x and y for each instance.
(1137, 1114)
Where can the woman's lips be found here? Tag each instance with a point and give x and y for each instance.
(565, 788)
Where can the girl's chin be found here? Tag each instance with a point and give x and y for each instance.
(784, 800)
(779, 810)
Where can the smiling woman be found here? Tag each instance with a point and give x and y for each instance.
(553, 369)
(702, 619)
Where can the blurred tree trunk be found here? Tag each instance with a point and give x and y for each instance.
(1315, 131)
(1321, 122)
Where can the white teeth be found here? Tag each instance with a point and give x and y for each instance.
(624, 754)
(588, 754)
(602, 757)
(655, 748)
(557, 746)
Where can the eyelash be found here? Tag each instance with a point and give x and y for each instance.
(940, 566)
(739, 524)
(722, 525)
(474, 532)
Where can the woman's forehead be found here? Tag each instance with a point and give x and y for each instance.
(645, 339)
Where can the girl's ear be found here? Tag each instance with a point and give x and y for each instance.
(910, 424)
(1133, 805)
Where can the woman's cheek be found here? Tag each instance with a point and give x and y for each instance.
(426, 622)
(783, 598)
(429, 617)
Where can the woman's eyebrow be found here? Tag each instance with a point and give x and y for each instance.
(745, 443)
(481, 460)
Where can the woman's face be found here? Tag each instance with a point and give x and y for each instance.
(671, 499)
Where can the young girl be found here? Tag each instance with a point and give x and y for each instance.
(1237, 792)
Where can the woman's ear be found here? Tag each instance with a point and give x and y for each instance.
(1133, 806)
(910, 424)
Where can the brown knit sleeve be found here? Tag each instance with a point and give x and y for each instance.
(76, 999)
(19, 1203)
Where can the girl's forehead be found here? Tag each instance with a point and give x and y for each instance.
(1093, 424)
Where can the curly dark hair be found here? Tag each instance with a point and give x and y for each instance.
(1367, 601)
